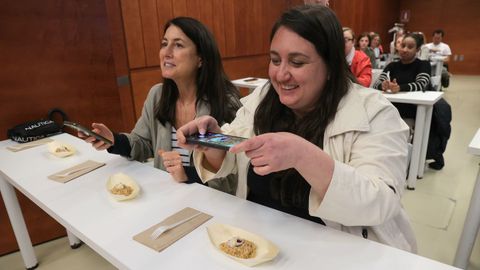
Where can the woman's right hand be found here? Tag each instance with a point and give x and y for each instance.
(213, 157)
(102, 130)
(199, 125)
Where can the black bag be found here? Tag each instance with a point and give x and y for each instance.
(37, 129)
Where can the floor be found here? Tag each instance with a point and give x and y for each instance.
(437, 207)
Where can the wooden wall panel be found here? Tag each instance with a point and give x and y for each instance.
(240, 67)
(119, 50)
(151, 33)
(369, 15)
(209, 12)
(460, 21)
(132, 24)
(54, 53)
(248, 24)
(142, 81)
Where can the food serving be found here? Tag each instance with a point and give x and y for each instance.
(242, 246)
(122, 187)
(60, 149)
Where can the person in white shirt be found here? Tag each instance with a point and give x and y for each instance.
(439, 48)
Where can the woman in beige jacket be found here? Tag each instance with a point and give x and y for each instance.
(320, 147)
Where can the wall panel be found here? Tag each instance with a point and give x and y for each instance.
(132, 24)
(54, 53)
(151, 33)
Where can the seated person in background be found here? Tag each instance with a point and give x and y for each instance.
(437, 47)
(376, 45)
(195, 84)
(320, 146)
(407, 74)
(424, 52)
(393, 44)
(357, 60)
(317, 2)
(395, 56)
(363, 44)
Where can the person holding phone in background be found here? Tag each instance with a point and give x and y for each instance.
(195, 84)
(320, 146)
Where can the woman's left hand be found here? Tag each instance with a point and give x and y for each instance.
(172, 161)
(271, 152)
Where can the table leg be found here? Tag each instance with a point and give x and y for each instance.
(73, 240)
(18, 223)
(426, 135)
(417, 147)
(439, 68)
(470, 229)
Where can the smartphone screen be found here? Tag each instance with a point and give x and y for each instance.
(87, 131)
(215, 140)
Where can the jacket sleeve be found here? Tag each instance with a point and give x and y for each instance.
(364, 71)
(383, 77)
(241, 126)
(366, 187)
(422, 78)
(141, 136)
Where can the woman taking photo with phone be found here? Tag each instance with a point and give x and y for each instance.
(195, 84)
(320, 147)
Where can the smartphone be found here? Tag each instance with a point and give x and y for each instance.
(87, 131)
(215, 140)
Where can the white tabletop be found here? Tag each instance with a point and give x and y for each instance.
(250, 82)
(84, 207)
(474, 146)
(418, 97)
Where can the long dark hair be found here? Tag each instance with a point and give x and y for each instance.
(320, 26)
(213, 85)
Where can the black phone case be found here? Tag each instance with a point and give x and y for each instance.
(87, 131)
(194, 140)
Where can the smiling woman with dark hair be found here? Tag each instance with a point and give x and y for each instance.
(320, 147)
(195, 84)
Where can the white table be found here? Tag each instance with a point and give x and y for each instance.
(84, 208)
(250, 82)
(472, 221)
(424, 102)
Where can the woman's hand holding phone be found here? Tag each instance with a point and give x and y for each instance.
(102, 130)
(213, 157)
(200, 125)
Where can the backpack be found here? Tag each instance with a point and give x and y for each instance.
(37, 129)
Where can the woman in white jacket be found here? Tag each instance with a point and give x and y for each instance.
(320, 146)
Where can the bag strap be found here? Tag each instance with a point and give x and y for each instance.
(52, 112)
